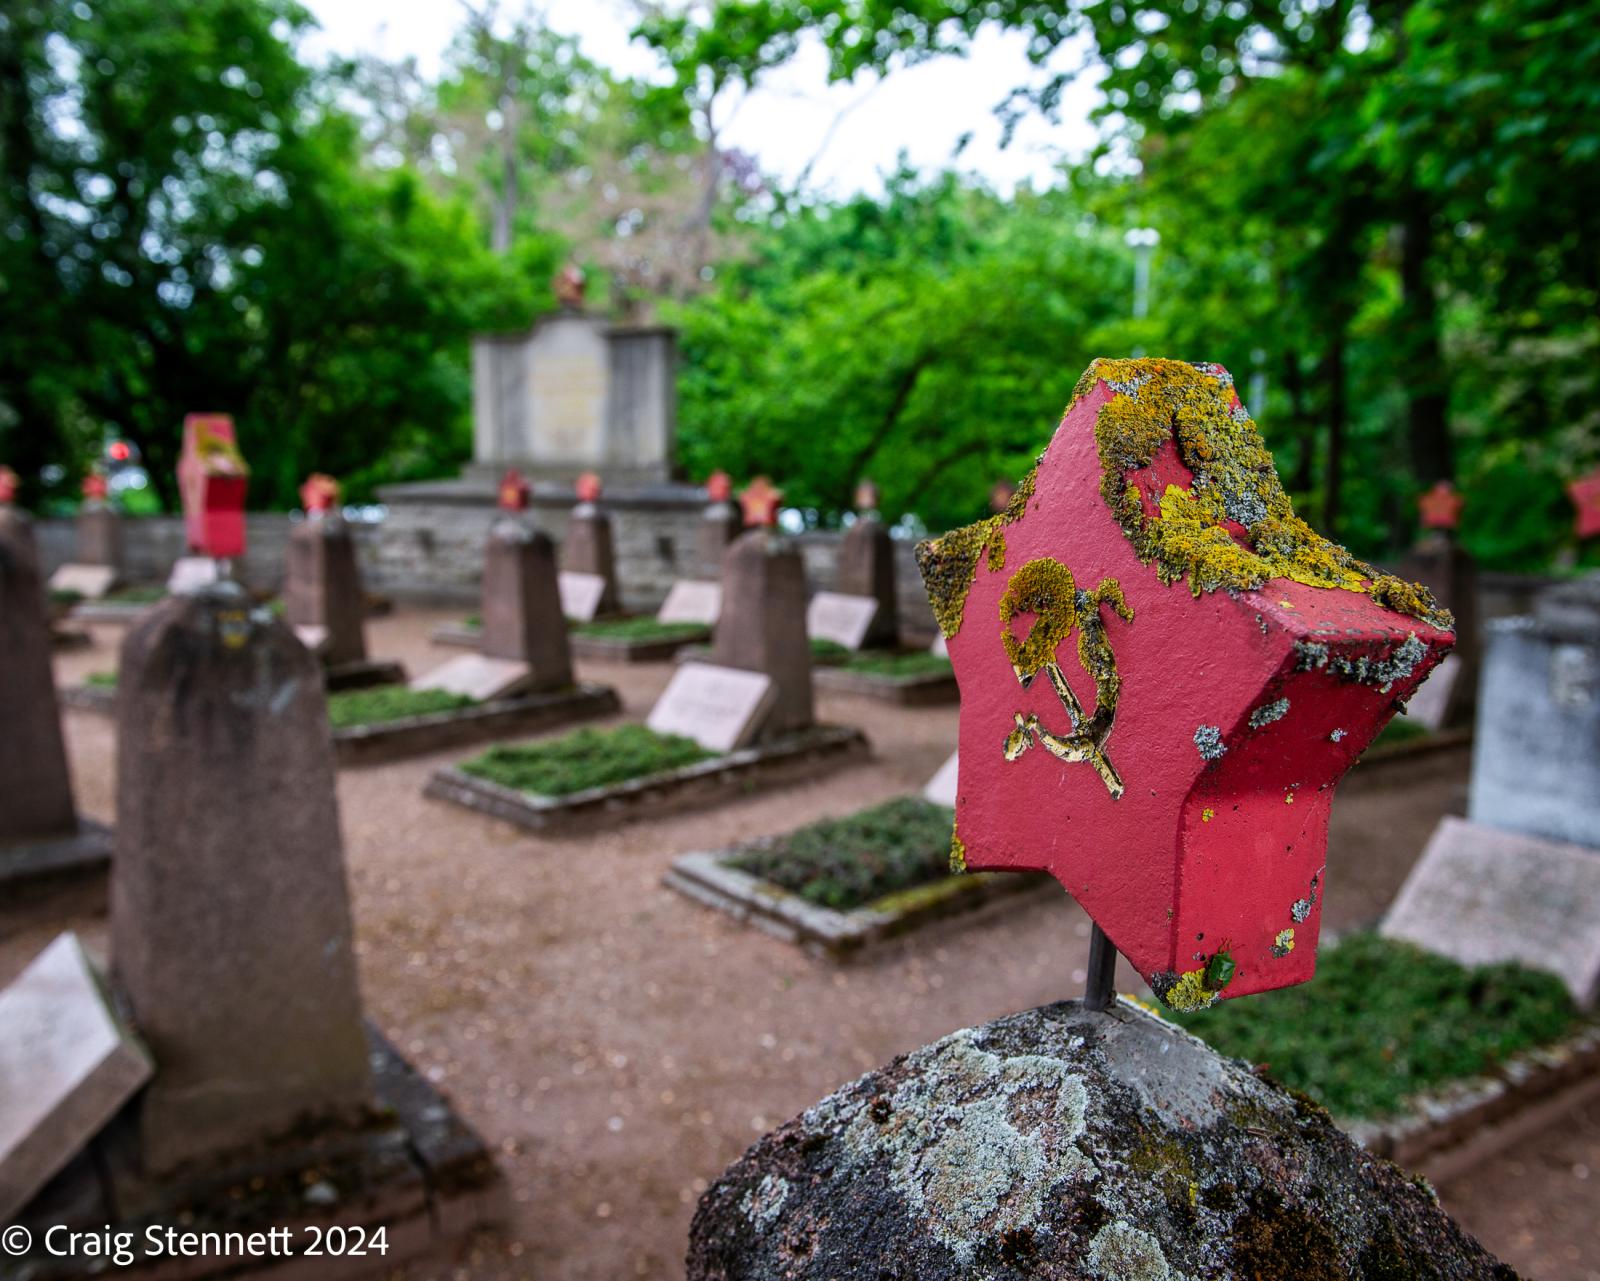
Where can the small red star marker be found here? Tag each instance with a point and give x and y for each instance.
(1001, 495)
(1163, 674)
(1585, 495)
(1441, 506)
(513, 495)
(588, 488)
(319, 493)
(719, 487)
(760, 503)
(867, 497)
(95, 487)
(212, 477)
(8, 485)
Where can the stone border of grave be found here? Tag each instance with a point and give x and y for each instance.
(620, 650)
(363, 674)
(425, 1177)
(826, 932)
(1447, 1131)
(460, 634)
(34, 871)
(791, 758)
(1433, 744)
(930, 689)
(102, 611)
(499, 718)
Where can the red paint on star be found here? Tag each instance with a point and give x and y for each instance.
(588, 487)
(1441, 506)
(760, 502)
(9, 480)
(320, 492)
(513, 495)
(719, 487)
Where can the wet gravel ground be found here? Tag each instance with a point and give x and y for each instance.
(618, 1046)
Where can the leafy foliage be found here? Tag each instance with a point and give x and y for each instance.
(1383, 1020)
(844, 862)
(585, 758)
(353, 707)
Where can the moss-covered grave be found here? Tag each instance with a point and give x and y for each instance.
(585, 758)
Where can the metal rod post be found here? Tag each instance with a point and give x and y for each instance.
(1098, 989)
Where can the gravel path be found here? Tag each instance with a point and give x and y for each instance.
(618, 1046)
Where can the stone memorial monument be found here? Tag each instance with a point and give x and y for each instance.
(576, 394)
(1233, 664)
(588, 557)
(44, 843)
(324, 600)
(762, 624)
(866, 569)
(1519, 879)
(232, 952)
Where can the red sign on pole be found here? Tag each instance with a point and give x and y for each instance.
(1163, 674)
(212, 477)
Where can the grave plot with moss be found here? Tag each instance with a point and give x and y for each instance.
(584, 759)
(1384, 1021)
(387, 703)
(643, 628)
(914, 677)
(838, 885)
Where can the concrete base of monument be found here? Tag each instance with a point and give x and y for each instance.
(839, 935)
(501, 718)
(1446, 1132)
(417, 1174)
(924, 689)
(34, 874)
(791, 758)
(363, 674)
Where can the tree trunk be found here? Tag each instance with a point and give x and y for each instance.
(1333, 373)
(1422, 362)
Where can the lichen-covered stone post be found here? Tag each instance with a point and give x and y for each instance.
(720, 524)
(587, 547)
(1164, 672)
(522, 620)
(762, 627)
(230, 917)
(322, 588)
(99, 527)
(866, 567)
(35, 787)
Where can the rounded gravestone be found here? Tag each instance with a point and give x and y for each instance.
(1062, 1143)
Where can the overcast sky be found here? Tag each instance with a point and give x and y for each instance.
(922, 110)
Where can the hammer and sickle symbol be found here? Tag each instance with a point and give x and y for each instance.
(1045, 589)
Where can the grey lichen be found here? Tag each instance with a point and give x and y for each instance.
(1122, 1252)
(1384, 672)
(1208, 742)
(764, 1202)
(1269, 712)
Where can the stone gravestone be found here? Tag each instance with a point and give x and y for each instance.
(1520, 879)
(762, 624)
(720, 524)
(1023, 1147)
(98, 556)
(721, 708)
(587, 554)
(230, 918)
(941, 788)
(866, 569)
(691, 600)
(212, 481)
(322, 593)
(844, 620)
(41, 834)
(67, 1065)
(524, 634)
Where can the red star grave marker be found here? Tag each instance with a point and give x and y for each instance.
(95, 488)
(1585, 495)
(9, 481)
(760, 502)
(513, 496)
(719, 487)
(1440, 506)
(588, 488)
(320, 493)
(212, 477)
(1163, 674)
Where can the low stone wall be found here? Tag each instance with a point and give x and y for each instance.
(429, 550)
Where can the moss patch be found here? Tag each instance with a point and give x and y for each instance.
(898, 665)
(1383, 1020)
(950, 563)
(136, 596)
(1234, 526)
(844, 862)
(101, 680)
(639, 629)
(827, 651)
(390, 703)
(585, 758)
